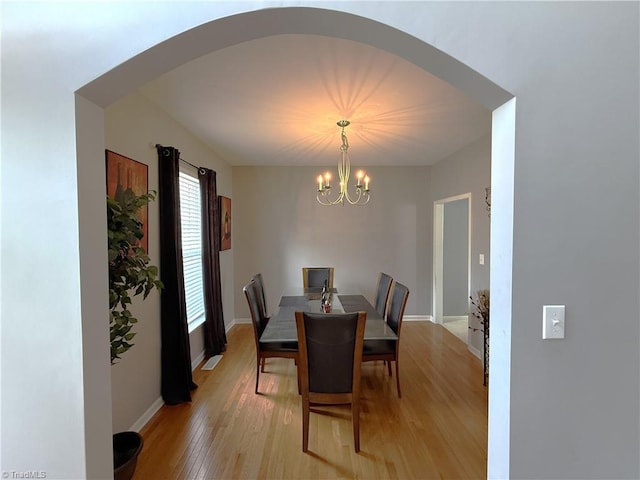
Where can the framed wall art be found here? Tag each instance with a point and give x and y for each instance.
(225, 223)
(125, 175)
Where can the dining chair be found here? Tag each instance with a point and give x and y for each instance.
(259, 322)
(388, 350)
(329, 364)
(265, 319)
(258, 279)
(382, 292)
(315, 277)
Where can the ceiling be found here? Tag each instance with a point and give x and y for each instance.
(276, 101)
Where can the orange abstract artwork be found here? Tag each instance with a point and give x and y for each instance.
(126, 175)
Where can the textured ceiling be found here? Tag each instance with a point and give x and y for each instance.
(276, 101)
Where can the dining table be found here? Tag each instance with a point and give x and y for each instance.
(281, 328)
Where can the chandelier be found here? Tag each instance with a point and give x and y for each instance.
(361, 194)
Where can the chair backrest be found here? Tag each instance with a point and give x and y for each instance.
(382, 292)
(258, 279)
(314, 277)
(259, 321)
(330, 351)
(398, 302)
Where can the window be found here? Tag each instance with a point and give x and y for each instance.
(191, 247)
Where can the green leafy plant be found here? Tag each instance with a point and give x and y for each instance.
(130, 272)
(481, 312)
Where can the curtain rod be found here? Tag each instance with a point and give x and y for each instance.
(191, 164)
(183, 160)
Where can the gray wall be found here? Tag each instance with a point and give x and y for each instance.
(468, 171)
(573, 67)
(455, 261)
(279, 227)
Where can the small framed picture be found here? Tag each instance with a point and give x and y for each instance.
(225, 223)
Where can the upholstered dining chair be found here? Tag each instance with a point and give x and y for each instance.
(329, 364)
(315, 277)
(259, 321)
(382, 292)
(388, 350)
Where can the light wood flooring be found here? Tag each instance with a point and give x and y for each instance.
(437, 430)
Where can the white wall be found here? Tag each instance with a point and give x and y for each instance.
(133, 126)
(279, 227)
(95, 305)
(574, 70)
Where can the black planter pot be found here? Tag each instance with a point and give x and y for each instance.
(126, 448)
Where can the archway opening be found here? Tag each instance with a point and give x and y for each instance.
(221, 33)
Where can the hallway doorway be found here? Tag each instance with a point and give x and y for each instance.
(452, 267)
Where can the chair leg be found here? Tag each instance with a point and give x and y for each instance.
(398, 379)
(355, 412)
(388, 366)
(263, 362)
(305, 424)
(257, 372)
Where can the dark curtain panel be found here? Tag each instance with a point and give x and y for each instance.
(215, 338)
(177, 381)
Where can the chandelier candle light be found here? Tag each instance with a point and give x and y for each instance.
(361, 196)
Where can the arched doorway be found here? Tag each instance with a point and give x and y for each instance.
(221, 33)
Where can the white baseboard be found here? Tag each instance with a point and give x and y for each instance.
(146, 416)
(417, 318)
(239, 321)
(475, 351)
(196, 361)
(452, 318)
(158, 403)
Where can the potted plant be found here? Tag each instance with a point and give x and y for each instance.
(481, 312)
(130, 274)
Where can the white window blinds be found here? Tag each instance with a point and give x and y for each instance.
(192, 248)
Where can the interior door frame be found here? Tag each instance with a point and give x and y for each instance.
(438, 252)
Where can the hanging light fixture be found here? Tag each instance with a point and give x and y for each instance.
(361, 195)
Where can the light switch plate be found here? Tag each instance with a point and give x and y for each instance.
(553, 321)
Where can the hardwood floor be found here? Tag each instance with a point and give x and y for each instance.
(437, 430)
